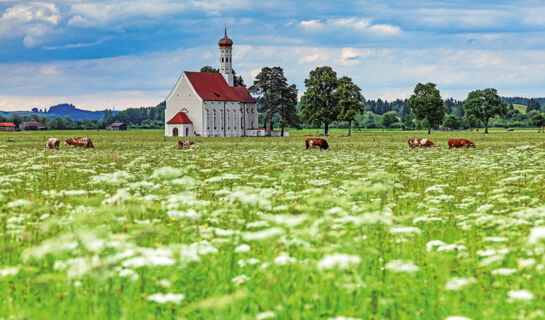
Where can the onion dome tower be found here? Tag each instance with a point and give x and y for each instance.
(226, 56)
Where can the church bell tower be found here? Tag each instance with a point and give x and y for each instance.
(226, 59)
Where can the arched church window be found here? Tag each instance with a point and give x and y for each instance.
(215, 118)
(221, 59)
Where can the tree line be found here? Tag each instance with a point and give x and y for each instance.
(146, 118)
(333, 101)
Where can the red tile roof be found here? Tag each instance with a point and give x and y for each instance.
(180, 118)
(7, 124)
(117, 124)
(243, 94)
(211, 86)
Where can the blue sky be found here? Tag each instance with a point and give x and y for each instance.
(129, 53)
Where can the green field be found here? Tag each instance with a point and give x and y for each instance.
(521, 108)
(260, 228)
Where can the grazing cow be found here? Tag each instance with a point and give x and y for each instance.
(420, 143)
(317, 142)
(52, 143)
(460, 143)
(79, 142)
(185, 143)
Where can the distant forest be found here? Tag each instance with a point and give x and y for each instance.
(520, 114)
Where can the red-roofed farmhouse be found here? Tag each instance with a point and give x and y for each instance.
(209, 105)
(7, 126)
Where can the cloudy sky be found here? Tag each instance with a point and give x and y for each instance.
(129, 53)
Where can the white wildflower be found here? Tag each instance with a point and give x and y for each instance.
(521, 295)
(459, 283)
(265, 315)
(164, 283)
(189, 214)
(252, 261)
(239, 280)
(10, 271)
(536, 234)
(485, 208)
(128, 273)
(166, 298)
(405, 230)
(166, 173)
(434, 243)
(287, 220)
(21, 203)
(338, 261)
(263, 234)
(495, 239)
(503, 272)
(401, 266)
(203, 248)
(526, 263)
(242, 248)
(284, 259)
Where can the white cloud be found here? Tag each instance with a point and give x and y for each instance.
(311, 24)
(33, 12)
(385, 29)
(356, 23)
(34, 21)
(353, 23)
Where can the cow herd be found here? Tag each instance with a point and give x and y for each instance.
(452, 143)
(413, 143)
(53, 143)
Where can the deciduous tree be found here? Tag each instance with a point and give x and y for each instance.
(270, 85)
(426, 103)
(485, 104)
(389, 118)
(319, 104)
(350, 101)
(539, 120)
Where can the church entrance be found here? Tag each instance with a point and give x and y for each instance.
(175, 132)
(187, 132)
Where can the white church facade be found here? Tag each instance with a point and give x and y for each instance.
(209, 105)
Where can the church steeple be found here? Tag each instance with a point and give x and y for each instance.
(225, 60)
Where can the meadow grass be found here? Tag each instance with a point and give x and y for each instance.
(260, 228)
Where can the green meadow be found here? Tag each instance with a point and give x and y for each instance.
(260, 228)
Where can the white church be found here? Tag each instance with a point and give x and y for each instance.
(209, 105)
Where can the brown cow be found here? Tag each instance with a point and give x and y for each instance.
(420, 143)
(185, 143)
(52, 143)
(79, 142)
(317, 142)
(460, 143)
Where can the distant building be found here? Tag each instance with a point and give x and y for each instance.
(7, 126)
(209, 105)
(117, 126)
(30, 125)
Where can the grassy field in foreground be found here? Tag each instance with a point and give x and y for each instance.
(260, 228)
